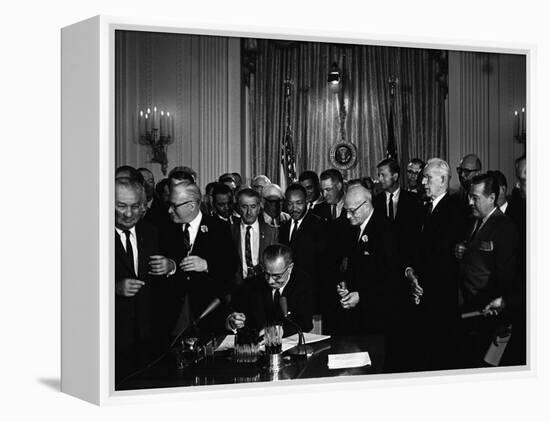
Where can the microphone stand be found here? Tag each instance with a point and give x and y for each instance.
(301, 350)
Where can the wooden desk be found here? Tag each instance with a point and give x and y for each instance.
(222, 370)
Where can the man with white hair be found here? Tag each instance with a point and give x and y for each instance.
(433, 275)
(367, 290)
(204, 254)
(259, 182)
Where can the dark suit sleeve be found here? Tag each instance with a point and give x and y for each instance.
(506, 259)
(223, 260)
(301, 305)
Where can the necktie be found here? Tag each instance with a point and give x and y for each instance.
(430, 207)
(358, 233)
(293, 232)
(186, 239)
(248, 249)
(390, 207)
(476, 229)
(277, 304)
(130, 251)
(333, 212)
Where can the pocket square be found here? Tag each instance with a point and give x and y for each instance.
(486, 246)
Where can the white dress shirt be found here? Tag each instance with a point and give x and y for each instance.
(363, 225)
(437, 200)
(194, 227)
(503, 207)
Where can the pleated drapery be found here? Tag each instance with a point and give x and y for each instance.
(419, 104)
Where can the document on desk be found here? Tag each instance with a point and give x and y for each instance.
(310, 338)
(227, 343)
(351, 360)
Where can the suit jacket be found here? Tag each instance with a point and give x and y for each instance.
(134, 315)
(157, 214)
(406, 224)
(461, 201)
(268, 235)
(436, 265)
(309, 247)
(255, 300)
(212, 243)
(283, 217)
(372, 273)
(488, 267)
(324, 211)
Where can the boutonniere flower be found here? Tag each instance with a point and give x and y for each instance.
(365, 239)
(204, 228)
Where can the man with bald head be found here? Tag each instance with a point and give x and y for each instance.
(203, 251)
(433, 275)
(469, 167)
(367, 291)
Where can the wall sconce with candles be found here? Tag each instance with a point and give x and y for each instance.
(156, 129)
(519, 125)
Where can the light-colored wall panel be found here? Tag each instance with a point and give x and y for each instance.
(198, 80)
(484, 90)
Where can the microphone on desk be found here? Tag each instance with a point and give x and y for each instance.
(214, 304)
(301, 350)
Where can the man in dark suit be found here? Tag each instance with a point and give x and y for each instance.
(137, 264)
(310, 181)
(433, 276)
(250, 236)
(367, 296)
(306, 235)
(515, 353)
(258, 302)
(156, 211)
(332, 187)
(205, 257)
(468, 168)
(488, 271)
(222, 204)
(331, 210)
(401, 207)
(414, 175)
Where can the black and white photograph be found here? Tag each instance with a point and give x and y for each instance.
(290, 209)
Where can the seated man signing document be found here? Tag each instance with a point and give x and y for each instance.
(258, 302)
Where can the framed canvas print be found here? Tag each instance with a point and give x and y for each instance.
(270, 209)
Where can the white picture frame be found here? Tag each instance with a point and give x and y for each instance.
(88, 121)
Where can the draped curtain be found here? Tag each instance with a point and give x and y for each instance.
(419, 103)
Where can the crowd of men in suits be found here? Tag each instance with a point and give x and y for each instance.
(440, 275)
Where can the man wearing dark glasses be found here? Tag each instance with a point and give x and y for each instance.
(469, 167)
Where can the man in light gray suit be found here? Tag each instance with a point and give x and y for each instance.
(251, 235)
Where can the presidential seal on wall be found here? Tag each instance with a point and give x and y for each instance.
(343, 155)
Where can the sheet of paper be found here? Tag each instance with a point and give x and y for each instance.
(310, 338)
(227, 343)
(354, 359)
